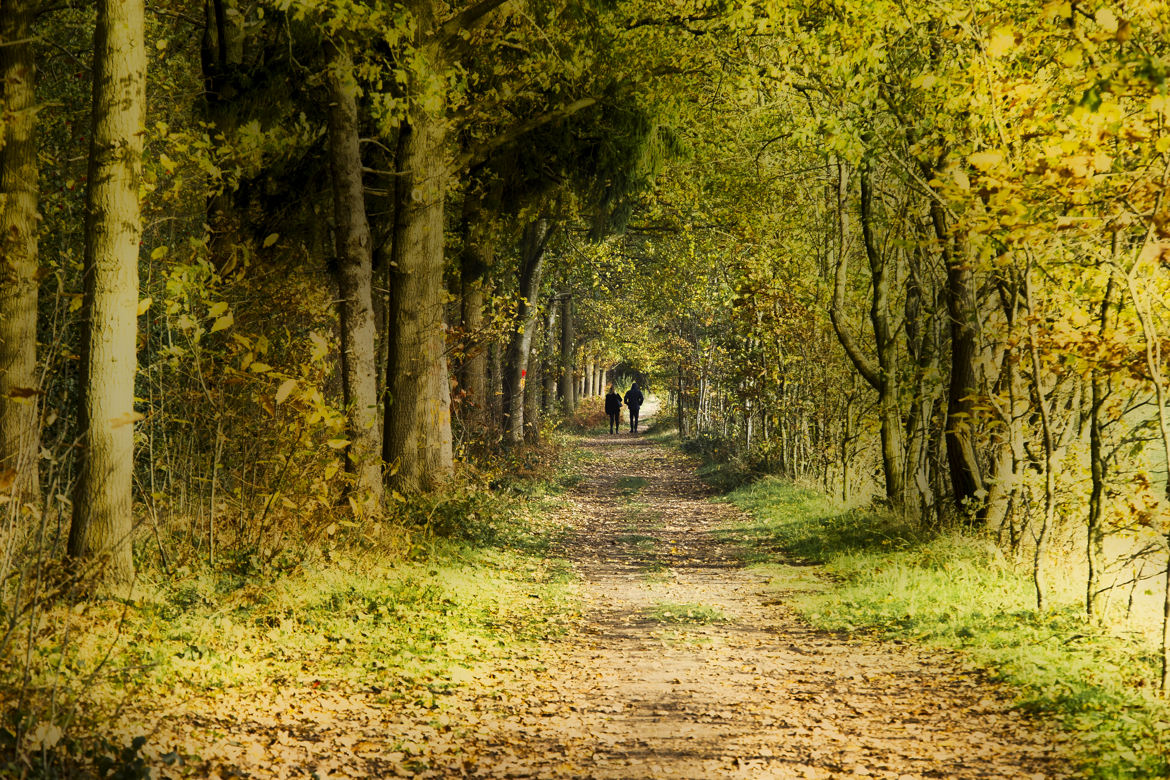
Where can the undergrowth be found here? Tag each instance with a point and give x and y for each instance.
(888, 579)
(590, 417)
(410, 606)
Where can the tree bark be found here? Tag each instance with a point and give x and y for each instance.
(889, 407)
(102, 523)
(1101, 389)
(962, 459)
(418, 443)
(532, 400)
(1047, 440)
(222, 54)
(355, 275)
(549, 357)
(922, 344)
(19, 191)
(862, 362)
(473, 264)
(882, 374)
(568, 387)
(536, 236)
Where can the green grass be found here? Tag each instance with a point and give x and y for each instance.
(412, 627)
(655, 571)
(636, 515)
(884, 578)
(631, 485)
(686, 613)
(640, 542)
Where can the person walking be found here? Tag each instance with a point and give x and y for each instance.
(613, 407)
(634, 399)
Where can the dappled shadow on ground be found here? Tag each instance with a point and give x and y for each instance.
(690, 666)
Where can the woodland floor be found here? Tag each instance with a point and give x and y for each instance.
(685, 664)
(741, 687)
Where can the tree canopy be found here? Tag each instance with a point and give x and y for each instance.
(268, 266)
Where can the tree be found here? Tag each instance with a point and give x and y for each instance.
(221, 60)
(102, 511)
(417, 446)
(567, 388)
(354, 272)
(532, 251)
(881, 375)
(475, 259)
(19, 433)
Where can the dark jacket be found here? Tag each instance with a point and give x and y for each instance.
(634, 397)
(613, 403)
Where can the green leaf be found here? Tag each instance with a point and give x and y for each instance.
(285, 389)
(223, 323)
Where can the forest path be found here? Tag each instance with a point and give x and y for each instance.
(688, 665)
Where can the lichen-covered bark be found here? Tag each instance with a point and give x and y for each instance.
(532, 261)
(568, 387)
(19, 434)
(354, 283)
(102, 521)
(418, 446)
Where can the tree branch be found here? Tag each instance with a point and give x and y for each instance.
(468, 19)
(485, 150)
(676, 20)
(862, 362)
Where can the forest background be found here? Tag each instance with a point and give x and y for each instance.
(290, 276)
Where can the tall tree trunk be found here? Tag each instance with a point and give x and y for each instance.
(495, 389)
(1101, 389)
(882, 374)
(962, 459)
(418, 447)
(102, 521)
(222, 54)
(549, 357)
(568, 347)
(536, 236)
(1047, 440)
(532, 401)
(19, 434)
(922, 343)
(474, 261)
(355, 276)
(889, 408)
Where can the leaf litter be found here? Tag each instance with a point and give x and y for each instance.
(756, 694)
(625, 694)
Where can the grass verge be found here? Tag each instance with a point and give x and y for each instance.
(885, 578)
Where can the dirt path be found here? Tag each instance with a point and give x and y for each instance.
(684, 665)
(688, 666)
